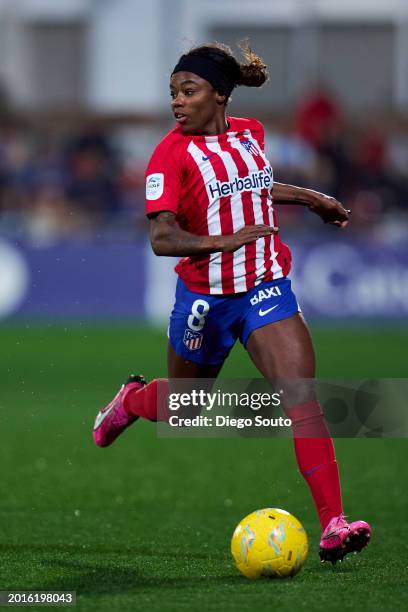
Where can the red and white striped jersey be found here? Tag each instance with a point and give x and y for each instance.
(216, 185)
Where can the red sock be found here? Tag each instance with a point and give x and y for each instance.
(149, 402)
(316, 459)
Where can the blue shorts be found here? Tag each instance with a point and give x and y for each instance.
(204, 328)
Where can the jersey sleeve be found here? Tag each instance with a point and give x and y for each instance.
(259, 133)
(164, 178)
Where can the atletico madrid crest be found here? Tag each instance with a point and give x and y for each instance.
(249, 146)
(192, 340)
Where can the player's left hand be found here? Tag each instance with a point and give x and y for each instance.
(329, 209)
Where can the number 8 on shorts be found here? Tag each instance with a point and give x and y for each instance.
(199, 310)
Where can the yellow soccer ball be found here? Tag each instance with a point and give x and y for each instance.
(269, 542)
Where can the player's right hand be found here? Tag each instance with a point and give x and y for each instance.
(247, 234)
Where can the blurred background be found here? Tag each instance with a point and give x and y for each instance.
(84, 100)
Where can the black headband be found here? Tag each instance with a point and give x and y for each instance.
(210, 70)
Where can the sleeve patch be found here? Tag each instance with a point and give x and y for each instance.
(154, 186)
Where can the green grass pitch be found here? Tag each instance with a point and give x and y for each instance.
(146, 524)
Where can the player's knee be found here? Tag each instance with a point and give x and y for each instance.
(296, 392)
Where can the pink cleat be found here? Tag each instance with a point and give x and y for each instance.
(113, 418)
(340, 538)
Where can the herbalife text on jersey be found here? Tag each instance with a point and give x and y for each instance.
(256, 180)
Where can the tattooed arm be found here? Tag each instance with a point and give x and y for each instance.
(167, 238)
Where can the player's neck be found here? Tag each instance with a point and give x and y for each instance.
(218, 125)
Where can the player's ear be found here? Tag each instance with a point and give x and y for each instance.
(220, 99)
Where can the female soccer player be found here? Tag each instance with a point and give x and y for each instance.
(209, 194)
